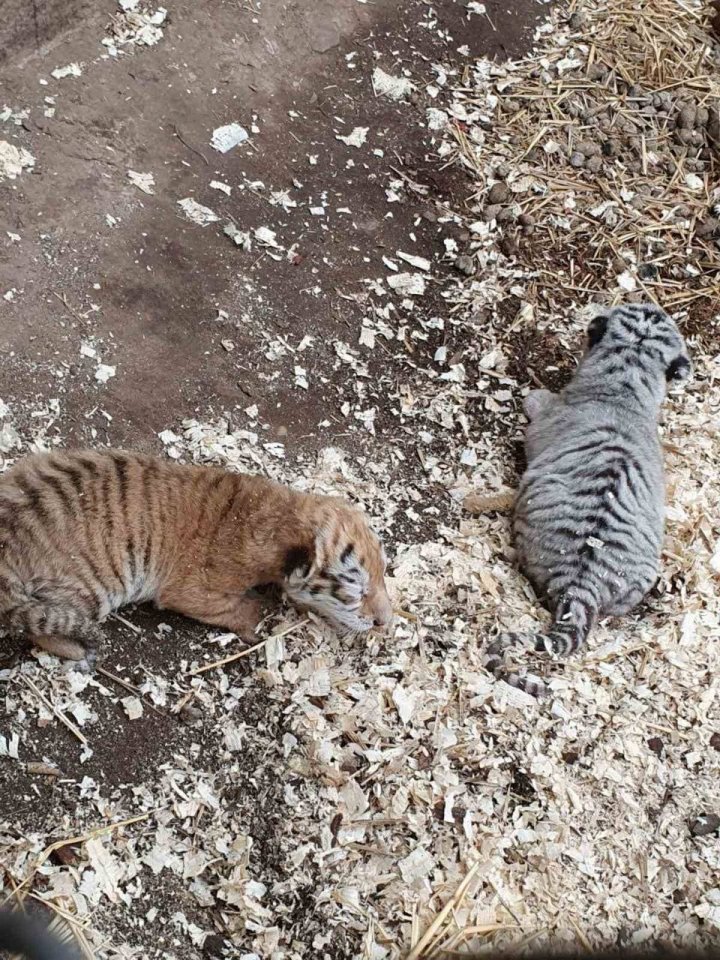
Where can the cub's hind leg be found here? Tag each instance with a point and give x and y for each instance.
(64, 647)
(84, 651)
(630, 598)
(538, 402)
(65, 629)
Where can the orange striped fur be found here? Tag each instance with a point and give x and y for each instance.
(83, 533)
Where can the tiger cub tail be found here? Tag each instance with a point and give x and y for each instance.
(27, 935)
(574, 619)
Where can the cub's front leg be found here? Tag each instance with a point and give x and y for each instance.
(538, 402)
(239, 613)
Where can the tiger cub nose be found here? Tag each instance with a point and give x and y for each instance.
(383, 614)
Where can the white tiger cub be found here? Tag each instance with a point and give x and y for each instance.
(589, 514)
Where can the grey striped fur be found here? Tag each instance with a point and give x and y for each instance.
(589, 514)
(27, 935)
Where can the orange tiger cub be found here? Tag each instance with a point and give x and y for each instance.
(83, 533)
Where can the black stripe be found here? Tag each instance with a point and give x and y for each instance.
(223, 515)
(79, 479)
(76, 514)
(38, 533)
(90, 464)
(121, 471)
(63, 496)
(582, 448)
(646, 382)
(149, 477)
(666, 339)
(33, 497)
(564, 531)
(207, 499)
(74, 475)
(123, 478)
(639, 474)
(108, 525)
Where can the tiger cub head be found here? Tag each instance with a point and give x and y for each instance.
(340, 573)
(643, 337)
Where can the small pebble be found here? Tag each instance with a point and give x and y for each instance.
(686, 117)
(713, 125)
(656, 745)
(594, 164)
(499, 193)
(526, 220)
(578, 20)
(191, 715)
(690, 136)
(506, 214)
(588, 148)
(577, 160)
(574, 109)
(647, 271)
(466, 265)
(708, 227)
(598, 71)
(704, 825)
(491, 211)
(715, 741)
(214, 946)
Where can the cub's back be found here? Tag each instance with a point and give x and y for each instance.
(111, 520)
(594, 482)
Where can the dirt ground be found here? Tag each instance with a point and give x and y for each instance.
(99, 273)
(148, 289)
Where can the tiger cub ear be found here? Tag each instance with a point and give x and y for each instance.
(596, 329)
(297, 560)
(678, 369)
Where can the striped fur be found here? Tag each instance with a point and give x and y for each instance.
(589, 514)
(84, 533)
(27, 936)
